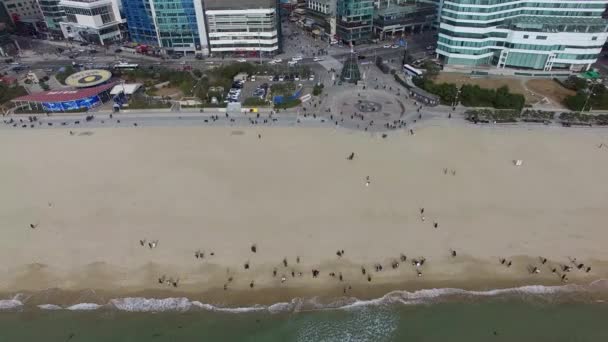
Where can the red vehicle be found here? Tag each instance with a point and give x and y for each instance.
(143, 49)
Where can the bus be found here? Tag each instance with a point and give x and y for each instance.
(126, 66)
(410, 70)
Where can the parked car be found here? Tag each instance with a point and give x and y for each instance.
(387, 46)
(317, 59)
(241, 60)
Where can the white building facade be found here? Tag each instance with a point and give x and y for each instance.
(242, 30)
(540, 35)
(91, 21)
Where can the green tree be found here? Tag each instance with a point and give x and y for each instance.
(8, 93)
(254, 101)
(431, 68)
(61, 76)
(317, 89)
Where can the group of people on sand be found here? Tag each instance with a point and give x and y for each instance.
(560, 270)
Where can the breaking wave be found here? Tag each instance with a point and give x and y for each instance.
(182, 304)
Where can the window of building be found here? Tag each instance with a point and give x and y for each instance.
(541, 37)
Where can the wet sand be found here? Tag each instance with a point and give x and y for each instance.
(294, 193)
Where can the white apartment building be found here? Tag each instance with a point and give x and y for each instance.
(539, 35)
(243, 26)
(91, 21)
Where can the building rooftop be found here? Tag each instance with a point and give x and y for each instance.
(238, 4)
(64, 95)
(126, 88)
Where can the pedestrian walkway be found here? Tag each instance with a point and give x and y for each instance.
(330, 62)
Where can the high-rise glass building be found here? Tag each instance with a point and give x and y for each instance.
(542, 35)
(138, 14)
(53, 16)
(354, 20)
(177, 26)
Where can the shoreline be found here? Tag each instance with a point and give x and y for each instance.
(327, 292)
(299, 299)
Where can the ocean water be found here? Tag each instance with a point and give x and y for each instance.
(527, 314)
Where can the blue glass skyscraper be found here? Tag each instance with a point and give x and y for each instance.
(140, 22)
(177, 26)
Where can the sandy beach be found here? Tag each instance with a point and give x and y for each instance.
(293, 193)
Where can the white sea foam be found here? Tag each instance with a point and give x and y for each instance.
(13, 303)
(294, 306)
(84, 307)
(427, 295)
(210, 307)
(50, 307)
(7, 304)
(138, 304)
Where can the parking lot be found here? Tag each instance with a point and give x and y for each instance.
(249, 87)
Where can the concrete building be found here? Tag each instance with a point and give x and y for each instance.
(92, 21)
(243, 26)
(322, 13)
(22, 9)
(354, 20)
(438, 5)
(25, 16)
(540, 35)
(393, 18)
(53, 15)
(178, 27)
